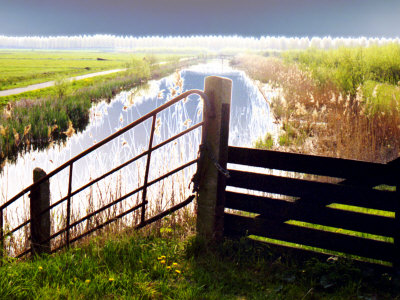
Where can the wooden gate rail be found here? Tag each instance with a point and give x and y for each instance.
(289, 221)
(143, 188)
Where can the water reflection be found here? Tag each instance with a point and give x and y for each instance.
(250, 119)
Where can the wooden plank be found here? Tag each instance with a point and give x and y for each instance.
(363, 172)
(318, 192)
(239, 226)
(307, 212)
(396, 262)
(302, 255)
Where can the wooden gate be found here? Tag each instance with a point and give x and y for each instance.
(318, 203)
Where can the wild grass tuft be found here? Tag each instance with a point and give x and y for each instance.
(157, 265)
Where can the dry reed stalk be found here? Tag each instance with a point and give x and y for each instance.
(331, 123)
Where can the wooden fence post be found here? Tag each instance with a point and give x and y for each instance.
(40, 223)
(211, 195)
(1, 236)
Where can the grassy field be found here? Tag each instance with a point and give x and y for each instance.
(37, 118)
(20, 68)
(169, 263)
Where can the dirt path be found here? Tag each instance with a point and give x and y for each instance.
(51, 83)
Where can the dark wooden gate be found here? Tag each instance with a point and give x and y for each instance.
(315, 203)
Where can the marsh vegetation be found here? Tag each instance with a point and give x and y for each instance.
(318, 113)
(341, 102)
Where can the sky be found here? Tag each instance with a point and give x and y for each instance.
(292, 18)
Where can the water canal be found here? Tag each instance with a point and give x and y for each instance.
(250, 119)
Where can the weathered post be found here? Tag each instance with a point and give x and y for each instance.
(211, 195)
(1, 235)
(40, 223)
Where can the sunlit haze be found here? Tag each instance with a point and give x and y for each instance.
(306, 18)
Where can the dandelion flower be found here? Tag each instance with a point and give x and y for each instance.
(178, 271)
(40, 268)
(162, 261)
(111, 279)
(174, 264)
(161, 257)
(168, 267)
(87, 281)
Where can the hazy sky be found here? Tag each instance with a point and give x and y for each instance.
(192, 17)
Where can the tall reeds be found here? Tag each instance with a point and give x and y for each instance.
(323, 119)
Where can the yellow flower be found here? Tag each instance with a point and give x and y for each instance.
(168, 267)
(178, 271)
(87, 281)
(161, 257)
(162, 261)
(174, 264)
(111, 279)
(40, 268)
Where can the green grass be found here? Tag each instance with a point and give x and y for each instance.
(173, 265)
(266, 143)
(350, 68)
(22, 68)
(380, 97)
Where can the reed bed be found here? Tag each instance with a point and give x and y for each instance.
(324, 119)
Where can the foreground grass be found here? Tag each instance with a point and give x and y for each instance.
(172, 265)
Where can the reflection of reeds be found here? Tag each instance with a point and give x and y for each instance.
(47, 111)
(160, 196)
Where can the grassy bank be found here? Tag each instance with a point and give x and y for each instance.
(38, 118)
(342, 103)
(169, 263)
(20, 68)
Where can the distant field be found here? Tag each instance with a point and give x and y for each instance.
(20, 68)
